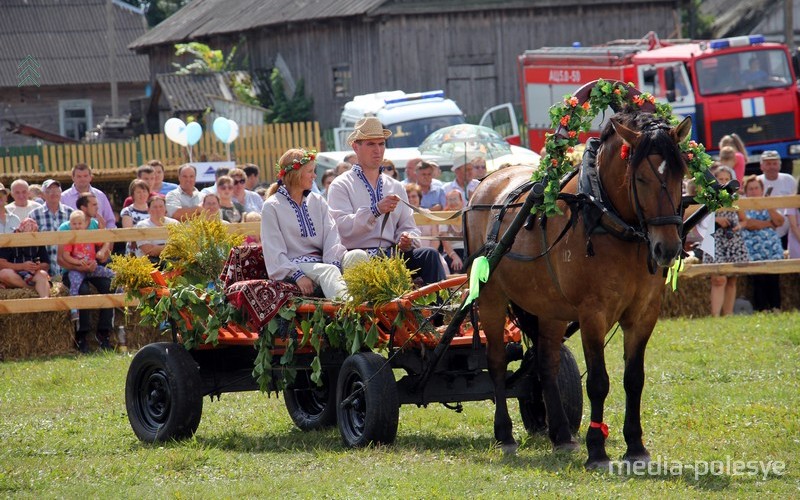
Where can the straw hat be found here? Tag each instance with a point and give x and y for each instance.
(368, 128)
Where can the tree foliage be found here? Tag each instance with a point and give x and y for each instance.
(285, 109)
(156, 11)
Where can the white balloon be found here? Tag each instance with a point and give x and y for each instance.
(234, 132)
(173, 129)
(183, 138)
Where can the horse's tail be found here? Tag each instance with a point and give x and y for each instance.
(528, 323)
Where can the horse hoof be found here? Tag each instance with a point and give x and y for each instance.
(639, 458)
(509, 448)
(600, 465)
(570, 446)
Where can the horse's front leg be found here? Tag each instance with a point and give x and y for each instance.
(635, 344)
(493, 321)
(593, 332)
(548, 361)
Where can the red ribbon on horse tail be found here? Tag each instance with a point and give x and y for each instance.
(600, 425)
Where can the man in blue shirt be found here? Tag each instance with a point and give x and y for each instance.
(50, 217)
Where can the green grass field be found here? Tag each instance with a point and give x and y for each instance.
(719, 392)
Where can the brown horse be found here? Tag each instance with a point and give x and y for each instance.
(596, 279)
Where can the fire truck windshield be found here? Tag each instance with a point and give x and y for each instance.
(742, 71)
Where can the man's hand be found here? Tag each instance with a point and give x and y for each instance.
(30, 266)
(406, 242)
(388, 203)
(306, 285)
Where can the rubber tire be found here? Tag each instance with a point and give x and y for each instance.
(163, 393)
(372, 417)
(534, 415)
(312, 407)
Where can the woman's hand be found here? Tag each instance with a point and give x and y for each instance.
(306, 285)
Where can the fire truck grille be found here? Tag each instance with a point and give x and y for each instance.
(757, 129)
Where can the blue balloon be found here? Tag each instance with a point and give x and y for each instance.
(193, 133)
(222, 128)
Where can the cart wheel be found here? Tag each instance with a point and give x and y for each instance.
(163, 393)
(367, 406)
(534, 415)
(310, 406)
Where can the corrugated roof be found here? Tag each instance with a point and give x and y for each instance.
(68, 41)
(190, 93)
(203, 18)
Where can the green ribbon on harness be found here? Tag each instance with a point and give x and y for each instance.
(672, 273)
(478, 272)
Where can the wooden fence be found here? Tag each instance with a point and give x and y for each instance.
(261, 145)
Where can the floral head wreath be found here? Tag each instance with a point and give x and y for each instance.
(295, 164)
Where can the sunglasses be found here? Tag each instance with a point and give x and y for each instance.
(239, 181)
(388, 168)
(225, 187)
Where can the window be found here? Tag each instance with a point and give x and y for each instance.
(341, 80)
(75, 117)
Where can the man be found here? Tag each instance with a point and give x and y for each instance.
(147, 174)
(411, 171)
(159, 184)
(88, 203)
(367, 209)
(462, 168)
(26, 267)
(213, 187)
(433, 197)
(184, 201)
(81, 184)
(252, 172)
(22, 205)
(50, 217)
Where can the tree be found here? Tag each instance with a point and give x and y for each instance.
(284, 109)
(156, 11)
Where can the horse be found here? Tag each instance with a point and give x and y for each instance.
(554, 275)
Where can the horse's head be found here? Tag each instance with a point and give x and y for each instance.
(646, 149)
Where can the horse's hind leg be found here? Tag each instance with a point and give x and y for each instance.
(493, 320)
(635, 343)
(593, 332)
(548, 361)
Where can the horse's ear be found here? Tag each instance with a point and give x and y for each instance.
(683, 129)
(630, 137)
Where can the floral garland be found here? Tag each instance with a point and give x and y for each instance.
(296, 163)
(575, 118)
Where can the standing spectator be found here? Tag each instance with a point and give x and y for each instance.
(159, 184)
(87, 203)
(411, 171)
(231, 210)
(433, 197)
(22, 204)
(794, 231)
(157, 211)
(82, 183)
(327, 178)
(776, 183)
(26, 267)
(251, 201)
(387, 167)
(462, 168)
(184, 201)
(763, 243)
(453, 249)
(342, 167)
(366, 206)
(50, 217)
(740, 153)
(137, 211)
(147, 174)
(729, 246)
(251, 172)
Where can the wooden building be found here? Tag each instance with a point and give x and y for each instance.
(58, 71)
(343, 48)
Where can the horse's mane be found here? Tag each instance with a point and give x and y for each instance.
(655, 138)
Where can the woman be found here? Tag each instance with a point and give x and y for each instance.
(298, 234)
(251, 201)
(157, 217)
(763, 243)
(429, 231)
(210, 207)
(231, 210)
(137, 211)
(729, 246)
(740, 154)
(453, 249)
(794, 230)
(387, 167)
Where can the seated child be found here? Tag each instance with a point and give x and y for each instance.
(252, 239)
(78, 254)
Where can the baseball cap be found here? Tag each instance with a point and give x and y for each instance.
(49, 182)
(3, 188)
(770, 154)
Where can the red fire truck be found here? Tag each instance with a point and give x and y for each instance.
(742, 85)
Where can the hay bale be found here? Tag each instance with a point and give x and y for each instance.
(33, 335)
